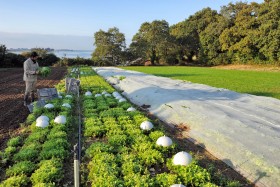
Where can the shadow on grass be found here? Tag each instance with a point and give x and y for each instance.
(266, 94)
(176, 75)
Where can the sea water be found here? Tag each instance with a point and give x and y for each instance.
(65, 53)
(73, 53)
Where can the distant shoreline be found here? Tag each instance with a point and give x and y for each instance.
(61, 53)
(49, 49)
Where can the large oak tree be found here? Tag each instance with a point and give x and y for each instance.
(110, 46)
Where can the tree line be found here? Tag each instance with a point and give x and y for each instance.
(239, 33)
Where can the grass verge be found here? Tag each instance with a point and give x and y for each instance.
(261, 83)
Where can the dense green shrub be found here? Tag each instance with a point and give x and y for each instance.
(57, 134)
(125, 105)
(118, 140)
(94, 127)
(55, 148)
(38, 135)
(104, 170)
(24, 167)
(55, 152)
(14, 142)
(167, 179)
(30, 118)
(192, 174)
(12, 60)
(7, 154)
(49, 171)
(15, 181)
(131, 164)
(151, 157)
(48, 60)
(74, 61)
(28, 152)
(155, 135)
(112, 112)
(41, 184)
(44, 71)
(98, 147)
(10, 150)
(138, 180)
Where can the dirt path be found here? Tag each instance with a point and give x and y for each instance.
(241, 129)
(12, 111)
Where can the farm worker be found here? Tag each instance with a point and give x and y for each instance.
(31, 70)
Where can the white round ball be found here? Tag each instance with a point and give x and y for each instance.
(118, 97)
(98, 95)
(131, 109)
(60, 119)
(122, 100)
(107, 95)
(42, 123)
(88, 93)
(42, 118)
(164, 141)
(66, 105)
(115, 94)
(182, 158)
(49, 105)
(68, 96)
(146, 125)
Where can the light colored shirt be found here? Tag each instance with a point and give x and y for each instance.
(30, 69)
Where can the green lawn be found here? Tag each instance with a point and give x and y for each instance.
(252, 82)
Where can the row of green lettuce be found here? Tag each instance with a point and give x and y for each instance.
(117, 152)
(36, 157)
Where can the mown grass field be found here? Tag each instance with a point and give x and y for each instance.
(260, 83)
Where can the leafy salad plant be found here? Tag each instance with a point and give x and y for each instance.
(44, 71)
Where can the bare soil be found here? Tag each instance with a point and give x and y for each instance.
(12, 87)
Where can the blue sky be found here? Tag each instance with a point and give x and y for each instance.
(74, 20)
